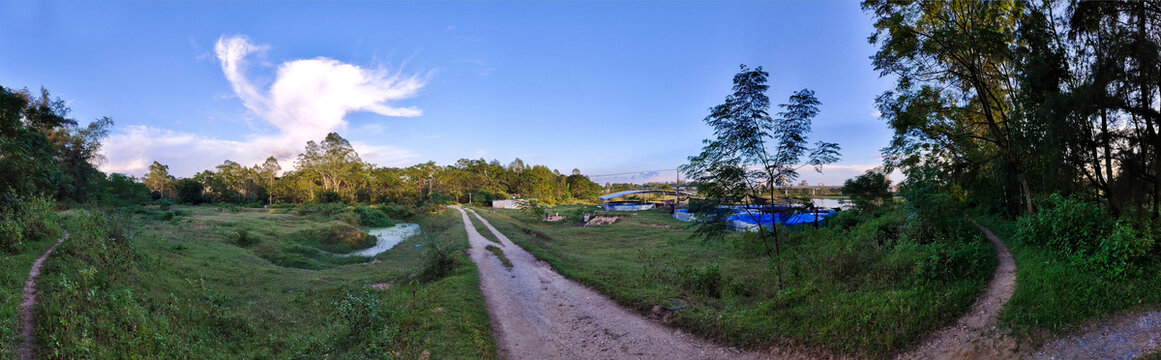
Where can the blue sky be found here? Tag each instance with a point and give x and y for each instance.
(606, 87)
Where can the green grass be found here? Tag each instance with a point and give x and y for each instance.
(184, 289)
(500, 255)
(1054, 294)
(865, 291)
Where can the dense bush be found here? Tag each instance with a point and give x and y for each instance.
(440, 260)
(189, 191)
(363, 312)
(396, 211)
(1086, 234)
(868, 191)
(327, 197)
(704, 281)
(29, 220)
(372, 217)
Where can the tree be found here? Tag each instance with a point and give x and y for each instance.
(267, 175)
(334, 166)
(954, 101)
(735, 165)
(868, 191)
(189, 191)
(159, 180)
(26, 155)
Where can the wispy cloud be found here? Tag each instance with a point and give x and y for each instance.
(306, 99)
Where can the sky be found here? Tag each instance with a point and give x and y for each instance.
(618, 90)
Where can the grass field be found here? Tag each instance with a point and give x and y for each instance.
(1054, 295)
(187, 288)
(864, 290)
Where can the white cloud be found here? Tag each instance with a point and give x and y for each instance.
(307, 99)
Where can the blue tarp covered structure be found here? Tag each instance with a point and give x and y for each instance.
(744, 219)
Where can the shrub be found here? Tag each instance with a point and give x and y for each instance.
(362, 312)
(336, 237)
(1086, 233)
(396, 211)
(372, 217)
(706, 281)
(28, 220)
(868, 191)
(189, 191)
(440, 260)
(328, 196)
(243, 238)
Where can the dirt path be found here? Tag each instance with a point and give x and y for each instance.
(538, 314)
(975, 335)
(28, 301)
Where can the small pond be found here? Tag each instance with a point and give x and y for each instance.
(387, 238)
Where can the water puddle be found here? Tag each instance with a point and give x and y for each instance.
(387, 238)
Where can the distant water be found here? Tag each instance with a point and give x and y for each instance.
(387, 238)
(830, 203)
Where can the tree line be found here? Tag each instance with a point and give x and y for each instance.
(332, 171)
(44, 153)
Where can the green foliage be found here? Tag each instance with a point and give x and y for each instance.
(372, 217)
(189, 191)
(533, 209)
(245, 239)
(26, 221)
(1086, 234)
(705, 281)
(327, 197)
(868, 191)
(363, 313)
(933, 200)
(439, 257)
(396, 211)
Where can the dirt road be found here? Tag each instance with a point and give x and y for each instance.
(538, 314)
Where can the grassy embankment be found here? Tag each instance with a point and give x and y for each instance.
(1054, 294)
(864, 290)
(207, 283)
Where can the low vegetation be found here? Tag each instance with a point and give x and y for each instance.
(863, 285)
(131, 283)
